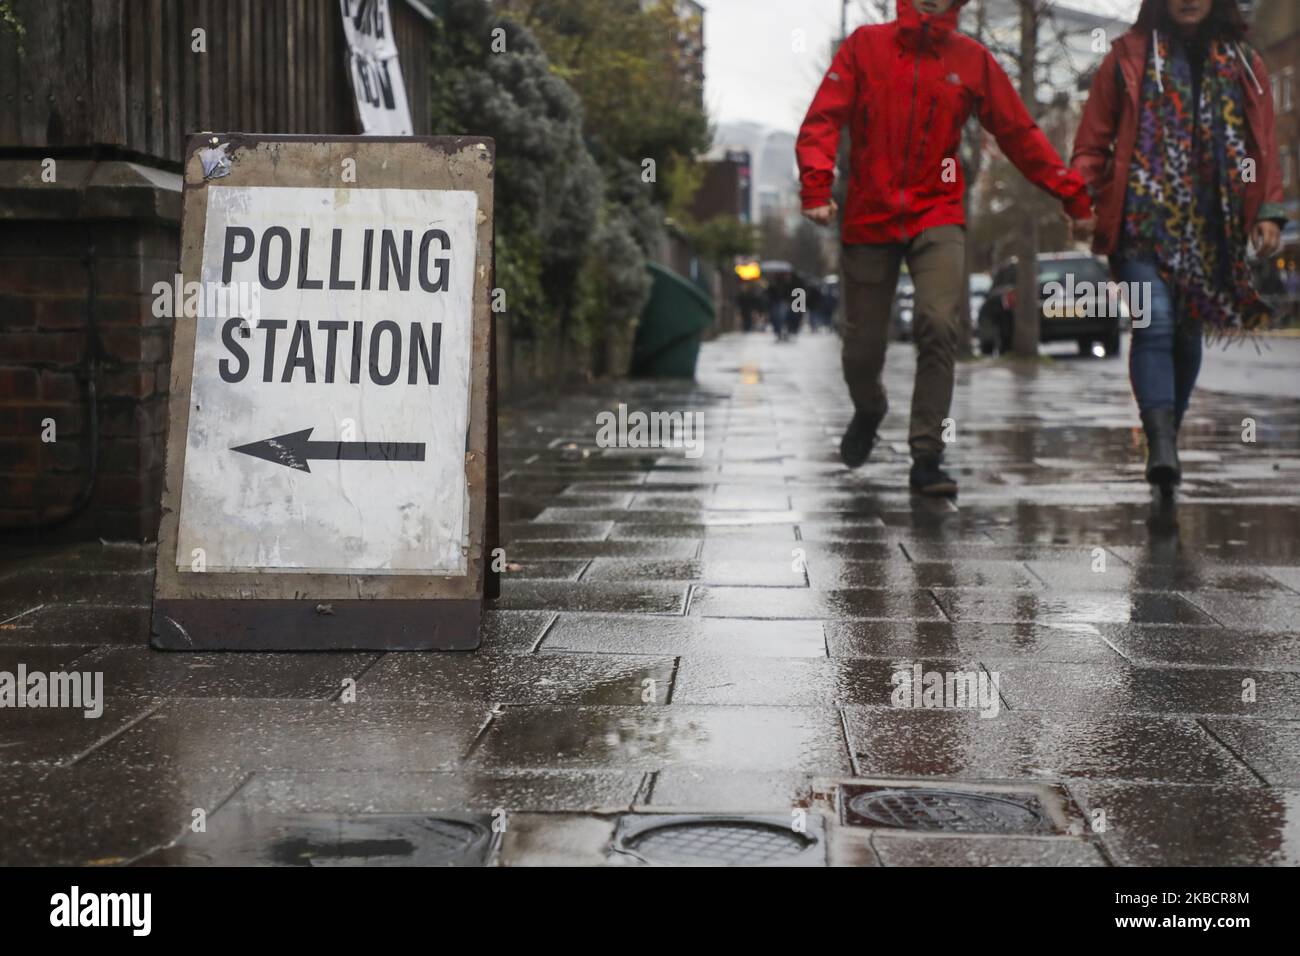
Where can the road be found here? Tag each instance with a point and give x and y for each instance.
(1258, 366)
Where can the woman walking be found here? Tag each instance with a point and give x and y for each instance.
(1177, 146)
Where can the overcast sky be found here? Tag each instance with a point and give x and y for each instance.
(752, 71)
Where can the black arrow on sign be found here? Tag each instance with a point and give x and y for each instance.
(296, 448)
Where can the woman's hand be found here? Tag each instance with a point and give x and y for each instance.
(1082, 229)
(1266, 237)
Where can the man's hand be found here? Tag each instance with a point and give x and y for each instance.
(1082, 229)
(822, 215)
(1266, 237)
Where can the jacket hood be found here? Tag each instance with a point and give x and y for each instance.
(917, 30)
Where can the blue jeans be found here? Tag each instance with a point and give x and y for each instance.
(783, 319)
(1163, 360)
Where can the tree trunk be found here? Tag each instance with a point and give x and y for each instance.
(1024, 339)
(971, 172)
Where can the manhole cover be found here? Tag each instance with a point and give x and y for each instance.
(379, 841)
(246, 838)
(947, 811)
(719, 841)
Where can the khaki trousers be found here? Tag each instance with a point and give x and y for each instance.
(936, 260)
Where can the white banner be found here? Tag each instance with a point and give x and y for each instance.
(374, 69)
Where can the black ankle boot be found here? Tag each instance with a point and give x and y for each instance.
(859, 439)
(1163, 468)
(928, 478)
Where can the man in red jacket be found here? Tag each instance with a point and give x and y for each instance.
(904, 90)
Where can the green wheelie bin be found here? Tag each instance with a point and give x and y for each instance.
(674, 319)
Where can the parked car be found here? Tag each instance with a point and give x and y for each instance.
(900, 314)
(1065, 316)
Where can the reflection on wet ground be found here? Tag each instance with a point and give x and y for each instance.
(726, 633)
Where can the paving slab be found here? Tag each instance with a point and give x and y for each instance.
(1117, 687)
(533, 679)
(690, 636)
(1066, 642)
(907, 849)
(1204, 646)
(1148, 824)
(878, 603)
(1098, 607)
(1271, 748)
(193, 734)
(1014, 744)
(743, 738)
(103, 816)
(412, 792)
(638, 598)
(729, 791)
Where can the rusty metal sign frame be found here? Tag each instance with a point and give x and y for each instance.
(210, 610)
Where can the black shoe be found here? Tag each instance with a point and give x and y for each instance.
(928, 478)
(859, 438)
(1163, 467)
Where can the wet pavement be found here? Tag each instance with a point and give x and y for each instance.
(699, 658)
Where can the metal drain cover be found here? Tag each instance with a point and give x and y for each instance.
(315, 839)
(946, 811)
(381, 840)
(678, 840)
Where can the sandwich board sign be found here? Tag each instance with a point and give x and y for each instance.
(329, 448)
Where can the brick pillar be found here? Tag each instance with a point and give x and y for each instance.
(79, 258)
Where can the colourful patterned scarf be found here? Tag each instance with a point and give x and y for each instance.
(1186, 190)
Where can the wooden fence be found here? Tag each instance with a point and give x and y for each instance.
(123, 73)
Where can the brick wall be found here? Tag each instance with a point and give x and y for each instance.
(76, 320)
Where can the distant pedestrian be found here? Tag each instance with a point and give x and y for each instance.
(1192, 104)
(749, 303)
(800, 297)
(832, 301)
(818, 316)
(1292, 293)
(780, 296)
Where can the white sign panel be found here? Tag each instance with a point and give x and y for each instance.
(328, 419)
(374, 69)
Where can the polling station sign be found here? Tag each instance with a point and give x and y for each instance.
(327, 449)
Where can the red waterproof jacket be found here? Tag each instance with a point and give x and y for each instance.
(1103, 146)
(905, 89)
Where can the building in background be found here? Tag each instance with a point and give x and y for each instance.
(744, 183)
(723, 191)
(774, 178)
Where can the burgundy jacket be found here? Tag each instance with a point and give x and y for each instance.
(1104, 145)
